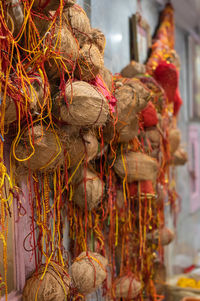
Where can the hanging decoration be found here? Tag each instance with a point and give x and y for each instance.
(94, 150)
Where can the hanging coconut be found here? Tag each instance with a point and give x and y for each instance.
(98, 39)
(159, 277)
(10, 111)
(133, 69)
(63, 43)
(88, 272)
(153, 135)
(89, 188)
(79, 23)
(15, 16)
(77, 147)
(120, 198)
(131, 99)
(54, 285)
(90, 62)
(128, 131)
(180, 157)
(40, 149)
(87, 106)
(162, 235)
(127, 287)
(51, 4)
(174, 140)
(107, 77)
(138, 167)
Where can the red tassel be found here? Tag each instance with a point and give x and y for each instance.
(149, 115)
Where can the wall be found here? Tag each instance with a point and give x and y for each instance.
(112, 17)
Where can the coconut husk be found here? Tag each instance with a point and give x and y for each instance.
(93, 191)
(123, 131)
(88, 272)
(131, 99)
(107, 78)
(129, 131)
(159, 277)
(51, 5)
(162, 235)
(174, 140)
(153, 135)
(77, 147)
(127, 287)
(133, 69)
(90, 62)
(79, 23)
(48, 153)
(10, 111)
(98, 39)
(180, 157)
(66, 45)
(139, 167)
(15, 16)
(87, 107)
(54, 286)
(120, 199)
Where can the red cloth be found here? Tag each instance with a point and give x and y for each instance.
(149, 115)
(167, 76)
(145, 187)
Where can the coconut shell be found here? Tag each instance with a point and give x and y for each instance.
(139, 167)
(129, 131)
(79, 23)
(87, 106)
(51, 5)
(159, 277)
(50, 288)
(164, 235)
(10, 111)
(93, 191)
(180, 157)
(120, 199)
(48, 153)
(15, 16)
(88, 273)
(90, 62)
(98, 39)
(174, 140)
(107, 77)
(127, 287)
(133, 69)
(76, 147)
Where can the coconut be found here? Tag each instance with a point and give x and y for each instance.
(131, 99)
(88, 272)
(79, 22)
(87, 106)
(90, 62)
(174, 140)
(15, 16)
(127, 287)
(76, 147)
(10, 111)
(139, 167)
(133, 69)
(162, 235)
(54, 285)
(106, 75)
(52, 4)
(90, 188)
(98, 39)
(120, 199)
(63, 43)
(180, 157)
(153, 135)
(159, 276)
(46, 152)
(128, 131)
(68, 50)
